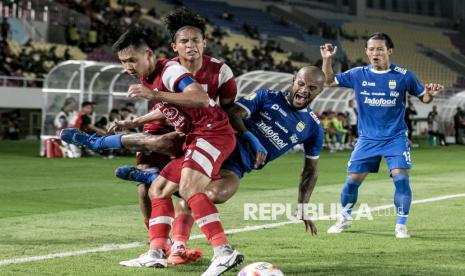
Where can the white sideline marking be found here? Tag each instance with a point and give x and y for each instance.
(112, 247)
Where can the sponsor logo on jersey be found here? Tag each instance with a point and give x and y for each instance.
(315, 117)
(380, 102)
(269, 133)
(394, 94)
(367, 83)
(300, 126)
(173, 115)
(403, 71)
(294, 138)
(277, 107)
(265, 115)
(378, 93)
(364, 92)
(281, 127)
(251, 96)
(392, 84)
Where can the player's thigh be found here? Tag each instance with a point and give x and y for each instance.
(365, 158)
(221, 190)
(397, 154)
(162, 187)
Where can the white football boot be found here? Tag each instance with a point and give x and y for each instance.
(401, 231)
(225, 260)
(152, 258)
(341, 224)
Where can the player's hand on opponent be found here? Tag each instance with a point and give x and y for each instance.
(433, 89)
(258, 148)
(309, 225)
(141, 91)
(120, 125)
(328, 50)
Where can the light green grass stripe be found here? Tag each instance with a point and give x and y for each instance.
(112, 247)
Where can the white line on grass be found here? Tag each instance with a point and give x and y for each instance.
(112, 247)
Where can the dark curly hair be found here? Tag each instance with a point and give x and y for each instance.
(183, 17)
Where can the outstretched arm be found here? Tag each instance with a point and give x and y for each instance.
(307, 183)
(431, 91)
(153, 115)
(328, 51)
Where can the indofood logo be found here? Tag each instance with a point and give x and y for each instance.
(273, 136)
(380, 102)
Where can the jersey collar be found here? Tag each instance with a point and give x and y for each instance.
(379, 72)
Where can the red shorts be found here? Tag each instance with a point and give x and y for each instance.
(203, 154)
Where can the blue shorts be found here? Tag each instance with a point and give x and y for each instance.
(367, 155)
(239, 161)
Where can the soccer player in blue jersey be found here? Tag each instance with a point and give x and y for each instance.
(269, 124)
(380, 92)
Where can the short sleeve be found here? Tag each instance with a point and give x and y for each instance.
(227, 87)
(173, 74)
(254, 101)
(312, 147)
(345, 79)
(413, 85)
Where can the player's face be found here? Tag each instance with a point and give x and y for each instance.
(189, 44)
(304, 90)
(136, 62)
(378, 53)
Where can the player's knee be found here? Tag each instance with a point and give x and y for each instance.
(181, 208)
(351, 186)
(402, 183)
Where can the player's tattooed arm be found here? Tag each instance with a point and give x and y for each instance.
(328, 51)
(236, 115)
(308, 179)
(431, 91)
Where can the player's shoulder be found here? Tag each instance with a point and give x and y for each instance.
(269, 93)
(311, 116)
(397, 69)
(357, 69)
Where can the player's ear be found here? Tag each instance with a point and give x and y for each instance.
(204, 43)
(173, 46)
(390, 51)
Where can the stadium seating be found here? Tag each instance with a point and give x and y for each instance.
(407, 39)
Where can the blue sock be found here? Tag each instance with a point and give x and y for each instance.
(108, 142)
(349, 195)
(402, 197)
(150, 178)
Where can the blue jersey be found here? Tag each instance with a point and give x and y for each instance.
(278, 126)
(381, 97)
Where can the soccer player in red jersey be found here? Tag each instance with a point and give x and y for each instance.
(209, 140)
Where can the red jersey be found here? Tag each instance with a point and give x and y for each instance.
(216, 78)
(207, 121)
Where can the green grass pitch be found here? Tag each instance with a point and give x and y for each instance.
(61, 205)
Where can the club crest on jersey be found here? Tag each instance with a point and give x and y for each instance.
(392, 84)
(300, 126)
(251, 96)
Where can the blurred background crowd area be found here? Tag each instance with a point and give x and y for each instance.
(268, 35)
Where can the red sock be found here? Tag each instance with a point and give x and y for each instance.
(160, 221)
(182, 226)
(207, 218)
